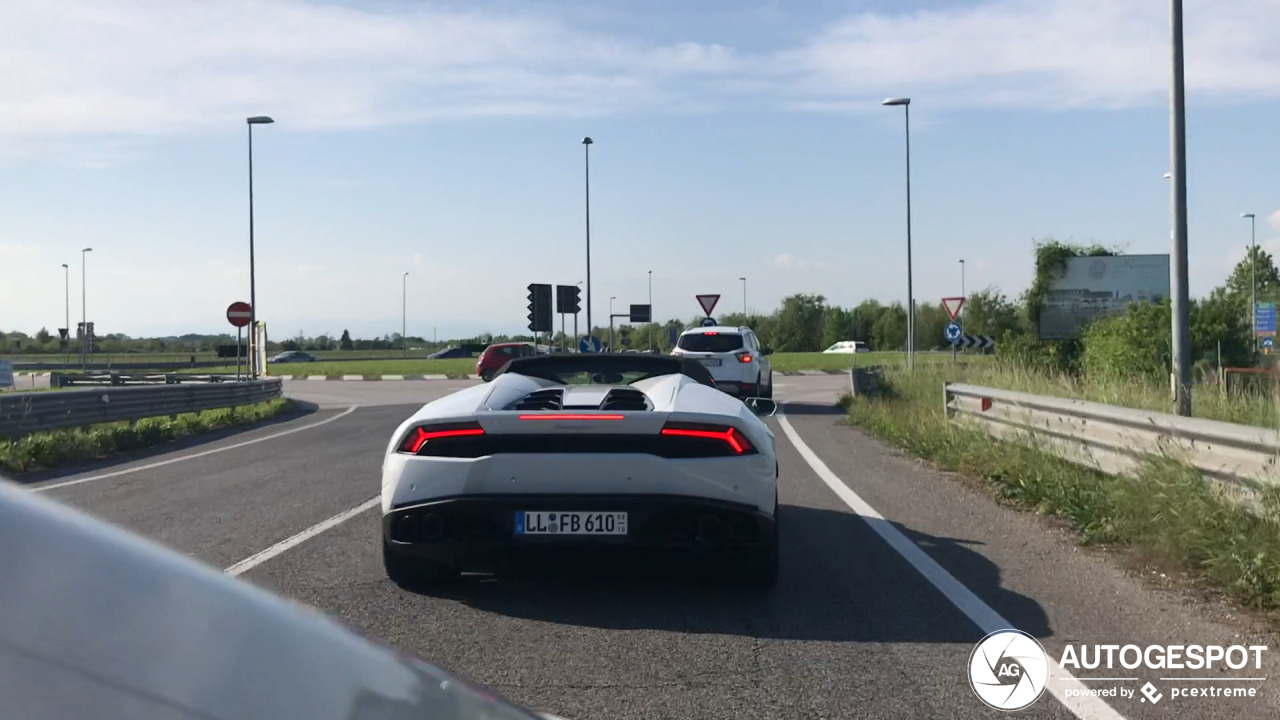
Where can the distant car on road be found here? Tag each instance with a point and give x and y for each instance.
(848, 347)
(497, 355)
(734, 356)
(451, 352)
(292, 356)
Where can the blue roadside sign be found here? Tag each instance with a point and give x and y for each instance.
(1264, 314)
(708, 322)
(589, 344)
(1268, 343)
(672, 336)
(951, 333)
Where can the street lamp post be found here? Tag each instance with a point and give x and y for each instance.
(586, 157)
(1178, 169)
(404, 314)
(575, 323)
(611, 346)
(965, 301)
(911, 303)
(651, 318)
(1253, 278)
(253, 294)
(744, 298)
(84, 312)
(66, 282)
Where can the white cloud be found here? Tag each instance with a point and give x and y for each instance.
(787, 260)
(149, 67)
(1042, 54)
(1274, 220)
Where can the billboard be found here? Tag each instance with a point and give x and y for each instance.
(1089, 287)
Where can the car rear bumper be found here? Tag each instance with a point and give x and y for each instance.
(477, 533)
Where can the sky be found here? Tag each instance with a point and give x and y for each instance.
(732, 138)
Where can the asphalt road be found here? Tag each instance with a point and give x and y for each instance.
(890, 573)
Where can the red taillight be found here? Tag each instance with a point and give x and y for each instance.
(730, 436)
(744, 357)
(420, 436)
(572, 416)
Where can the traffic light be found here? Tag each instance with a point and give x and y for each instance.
(567, 299)
(539, 307)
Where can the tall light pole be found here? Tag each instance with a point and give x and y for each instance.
(66, 278)
(1253, 277)
(966, 299)
(575, 323)
(651, 319)
(84, 312)
(611, 347)
(586, 157)
(1178, 169)
(744, 298)
(911, 302)
(404, 314)
(253, 288)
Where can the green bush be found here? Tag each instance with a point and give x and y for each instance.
(62, 447)
(1168, 514)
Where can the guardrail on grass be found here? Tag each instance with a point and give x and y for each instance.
(26, 413)
(67, 380)
(1115, 440)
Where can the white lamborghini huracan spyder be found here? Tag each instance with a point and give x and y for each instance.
(592, 452)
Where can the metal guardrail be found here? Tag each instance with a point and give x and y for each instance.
(1116, 440)
(28, 412)
(68, 380)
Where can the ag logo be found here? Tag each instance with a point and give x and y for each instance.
(1008, 670)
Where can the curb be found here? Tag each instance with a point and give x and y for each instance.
(373, 378)
(791, 373)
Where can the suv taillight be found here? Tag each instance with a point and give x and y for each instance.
(743, 357)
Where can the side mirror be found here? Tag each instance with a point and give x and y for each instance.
(762, 407)
(766, 350)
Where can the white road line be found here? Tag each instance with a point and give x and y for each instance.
(257, 559)
(982, 615)
(193, 456)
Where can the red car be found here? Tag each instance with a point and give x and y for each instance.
(495, 356)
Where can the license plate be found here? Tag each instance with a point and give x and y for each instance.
(541, 522)
(711, 361)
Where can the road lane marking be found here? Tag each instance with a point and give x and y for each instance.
(982, 615)
(193, 456)
(258, 558)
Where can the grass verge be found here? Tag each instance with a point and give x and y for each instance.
(781, 362)
(1167, 516)
(75, 445)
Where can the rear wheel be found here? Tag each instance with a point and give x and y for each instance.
(486, 375)
(760, 569)
(767, 393)
(409, 572)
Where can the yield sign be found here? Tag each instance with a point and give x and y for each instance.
(952, 306)
(708, 302)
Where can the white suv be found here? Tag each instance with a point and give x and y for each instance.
(733, 355)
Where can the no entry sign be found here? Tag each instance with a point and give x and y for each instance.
(238, 313)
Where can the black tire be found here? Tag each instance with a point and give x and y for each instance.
(410, 572)
(767, 393)
(486, 375)
(760, 569)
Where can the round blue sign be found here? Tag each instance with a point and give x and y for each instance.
(1268, 343)
(589, 344)
(951, 332)
(708, 322)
